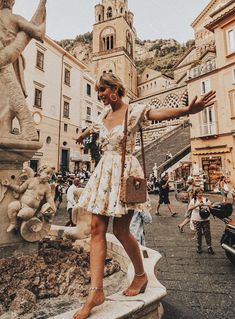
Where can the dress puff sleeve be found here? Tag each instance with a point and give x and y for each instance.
(138, 115)
(97, 123)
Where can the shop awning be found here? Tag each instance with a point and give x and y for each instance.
(212, 151)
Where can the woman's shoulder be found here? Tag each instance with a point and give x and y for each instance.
(98, 122)
(138, 108)
(137, 114)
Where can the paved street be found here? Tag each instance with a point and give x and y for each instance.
(198, 286)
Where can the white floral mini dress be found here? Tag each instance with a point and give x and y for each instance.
(102, 192)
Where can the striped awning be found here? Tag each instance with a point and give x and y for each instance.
(212, 151)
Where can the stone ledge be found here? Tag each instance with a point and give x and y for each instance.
(116, 306)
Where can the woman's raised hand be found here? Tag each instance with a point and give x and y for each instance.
(199, 104)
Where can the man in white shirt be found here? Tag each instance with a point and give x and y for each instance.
(71, 200)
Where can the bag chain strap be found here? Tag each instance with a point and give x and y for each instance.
(124, 147)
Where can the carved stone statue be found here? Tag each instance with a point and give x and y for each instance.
(28, 212)
(15, 34)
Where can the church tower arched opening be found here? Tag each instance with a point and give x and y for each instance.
(114, 43)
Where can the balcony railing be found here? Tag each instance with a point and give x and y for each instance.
(209, 129)
(77, 156)
(201, 69)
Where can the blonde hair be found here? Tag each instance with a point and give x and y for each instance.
(112, 81)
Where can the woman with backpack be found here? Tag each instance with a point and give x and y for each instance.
(200, 205)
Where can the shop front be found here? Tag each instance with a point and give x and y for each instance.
(213, 163)
(211, 167)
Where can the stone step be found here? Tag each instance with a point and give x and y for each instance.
(174, 142)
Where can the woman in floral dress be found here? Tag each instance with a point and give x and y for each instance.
(101, 194)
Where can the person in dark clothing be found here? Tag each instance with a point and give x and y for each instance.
(58, 193)
(164, 194)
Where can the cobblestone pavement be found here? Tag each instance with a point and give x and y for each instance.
(198, 286)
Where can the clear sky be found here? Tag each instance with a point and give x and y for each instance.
(153, 19)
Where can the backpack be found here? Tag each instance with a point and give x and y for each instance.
(204, 211)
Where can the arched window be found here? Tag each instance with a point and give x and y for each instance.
(99, 17)
(157, 104)
(129, 44)
(108, 39)
(184, 98)
(171, 101)
(109, 13)
(121, 10)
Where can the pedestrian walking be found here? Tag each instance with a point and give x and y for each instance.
(168, 155)
(232, 192)
(139, 219)
(223, 188)
(71, 201)
(58, 193)
(164, 195)
(199, 206)
(101, 196)
(190, 191)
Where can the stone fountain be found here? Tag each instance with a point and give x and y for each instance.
(26, 202)
(15, 149)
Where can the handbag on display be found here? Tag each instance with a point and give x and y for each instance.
(133, 188)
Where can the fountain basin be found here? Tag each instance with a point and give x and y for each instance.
(142, 306)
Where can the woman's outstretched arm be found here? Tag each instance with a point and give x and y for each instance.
(197, 105)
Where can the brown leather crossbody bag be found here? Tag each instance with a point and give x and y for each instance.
(133, 188)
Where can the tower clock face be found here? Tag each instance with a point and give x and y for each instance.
(37, 118)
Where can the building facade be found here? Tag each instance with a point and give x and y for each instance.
(63, 101)
(212, 132)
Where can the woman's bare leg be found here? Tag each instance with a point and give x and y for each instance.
(98, 250)
(123, 234)
(184, 222)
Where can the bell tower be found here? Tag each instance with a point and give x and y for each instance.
(114, 43)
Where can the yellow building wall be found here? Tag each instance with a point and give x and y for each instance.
(222, 142)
